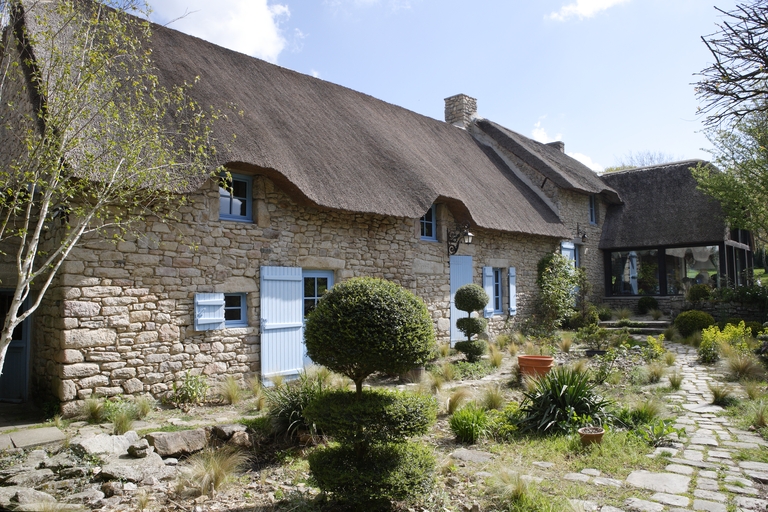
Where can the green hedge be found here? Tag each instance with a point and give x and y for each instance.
(379, 416)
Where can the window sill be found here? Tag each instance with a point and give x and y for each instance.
(236, 219)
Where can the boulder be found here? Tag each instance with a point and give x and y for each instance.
(31, 478)
(127, 469)
(100, 444)
(174, 444)
(139, 449)
(225, 432)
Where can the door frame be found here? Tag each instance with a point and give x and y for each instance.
(25, 343)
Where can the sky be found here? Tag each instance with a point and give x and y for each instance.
(610, 78)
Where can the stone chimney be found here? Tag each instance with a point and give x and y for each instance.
(459, 110)
(558, 144)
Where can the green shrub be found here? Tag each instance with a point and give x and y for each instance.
(755, 327)
(654, 348)
(502, 425)
(605, 313)
(709, 348)
(557, 280)
(560, 401)
(364, 325)
(288, 402)
(468, 423)
(379, 416)
(193, 390)
(401, 471)
(472, 350)
(689, 322)
(645, 304)
(471, 297)
(698, 292)
(593, 336)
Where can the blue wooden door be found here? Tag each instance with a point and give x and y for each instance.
(14, 382)
(282, 321)
(461, 274)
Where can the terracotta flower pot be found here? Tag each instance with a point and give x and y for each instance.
(591, 435)
(535, 365)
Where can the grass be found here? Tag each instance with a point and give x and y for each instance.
(722, 394)
(669, 358)
(753, 388)
(622, 313)
(760, 415)
(743, 367)
(656, 314)
(458, 397)
(512, 348)
(495, 356)
(565, 344)
(444, 349)
(448, 371)
(210, 470)
(93, 410)
(675, 380)
(492, 398)
(122, 420)
(229, 391)
(655, 372)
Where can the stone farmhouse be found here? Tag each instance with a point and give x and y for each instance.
(327, 184)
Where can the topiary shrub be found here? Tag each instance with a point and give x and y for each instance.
(389, 472)
(379, 416)
(471, 298)
(364, 325)
(698, 292)
(645, 304)
(359, 327)
(472, 350)
(690, 322)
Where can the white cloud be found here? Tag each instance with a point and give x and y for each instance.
(541, 135)
(587, 161)
(341, 5)
(584, 9)
(247, 26)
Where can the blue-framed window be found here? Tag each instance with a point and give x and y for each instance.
(429, 225)
(592, 209)
(498, 294)
(316, 283)
(236, 198)
(235, 314)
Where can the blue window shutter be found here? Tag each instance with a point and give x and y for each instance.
(488, 287)
(512, 275)
(209, 311)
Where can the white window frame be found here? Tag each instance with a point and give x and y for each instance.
(314, 274)
(225, 194)
(243, 321)
(424, 222)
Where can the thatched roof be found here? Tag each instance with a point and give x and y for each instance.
(661, 206)
(564, 171)
(341, 149)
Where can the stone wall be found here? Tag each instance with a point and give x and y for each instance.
(119, 318)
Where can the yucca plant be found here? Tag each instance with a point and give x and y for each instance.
(561, 400)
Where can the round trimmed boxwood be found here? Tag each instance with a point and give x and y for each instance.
(645, 304)
(698, 292)
(471, 297)
(379, 416)
(473, 350)
(400, 471)
(689, 322)
(471, 326)
(365, 325)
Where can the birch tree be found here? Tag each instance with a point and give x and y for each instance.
(92, 141)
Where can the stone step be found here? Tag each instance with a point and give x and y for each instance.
(652, 324)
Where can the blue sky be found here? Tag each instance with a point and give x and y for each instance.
(608, 77)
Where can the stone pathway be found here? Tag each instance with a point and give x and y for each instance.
(701, 474)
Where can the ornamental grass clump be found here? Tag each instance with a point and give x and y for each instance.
(562, 401)
(362, 326)
(471, 298)
(468, 424)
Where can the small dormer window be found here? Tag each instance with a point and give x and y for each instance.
(592, 209)
(429, 225)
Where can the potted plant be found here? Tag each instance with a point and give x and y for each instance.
(591, 434)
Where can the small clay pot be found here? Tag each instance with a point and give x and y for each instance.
(591, 435)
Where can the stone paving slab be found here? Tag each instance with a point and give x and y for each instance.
(638, 505)
(671, 499)
(709, 506)
(671, 483)
(5, 442)
(36, 437)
